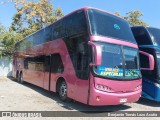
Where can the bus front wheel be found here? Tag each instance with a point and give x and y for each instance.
(63, 91)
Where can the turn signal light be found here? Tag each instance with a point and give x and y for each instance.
(138, 87)
(98, 98)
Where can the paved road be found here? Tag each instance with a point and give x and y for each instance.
(27, 97)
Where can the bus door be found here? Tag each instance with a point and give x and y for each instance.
(82, 83)
(53, 68)
(47, 73)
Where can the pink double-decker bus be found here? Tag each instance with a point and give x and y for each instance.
(89, 56)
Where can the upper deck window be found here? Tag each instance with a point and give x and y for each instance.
(105, 24)
(71, 25)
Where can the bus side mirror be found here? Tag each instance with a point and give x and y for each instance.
(146, 60)
(97, 54)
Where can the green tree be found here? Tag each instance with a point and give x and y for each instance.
(7, 41)
(134, 18)
(32, 16)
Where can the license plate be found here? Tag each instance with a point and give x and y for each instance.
(123, 100)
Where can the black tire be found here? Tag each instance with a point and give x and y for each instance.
(21, 78)
(62, 90)
(17, 76)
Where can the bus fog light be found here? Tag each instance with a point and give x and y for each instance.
(102, 87)
(98, 98)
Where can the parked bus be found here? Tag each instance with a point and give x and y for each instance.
(89, 55)
(148, 39)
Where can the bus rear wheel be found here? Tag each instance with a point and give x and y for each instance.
(21, 78)
(17, 76)
(63, 92)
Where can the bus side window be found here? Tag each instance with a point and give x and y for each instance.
(82, 58)
(57, 64)
(47, 64)
(26, 63)
(47, 34)
(76, 24)
(34, 63)
(78, 50)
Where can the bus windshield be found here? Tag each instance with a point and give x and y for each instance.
(155, 34)
(104, 24)
(118, 62)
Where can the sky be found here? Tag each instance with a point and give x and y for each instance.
(149, 8)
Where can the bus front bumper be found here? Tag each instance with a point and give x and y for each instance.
(101, 98)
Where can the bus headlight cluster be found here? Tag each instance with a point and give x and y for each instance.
(138, 87)
(158, 85)
(102, 87)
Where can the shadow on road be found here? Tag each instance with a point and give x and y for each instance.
(147, 102)
(75, 105)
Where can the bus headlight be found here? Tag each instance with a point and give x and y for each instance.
(138, 87)
(102, 87)
(156, 84)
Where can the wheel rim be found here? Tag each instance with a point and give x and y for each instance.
(63, 89)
